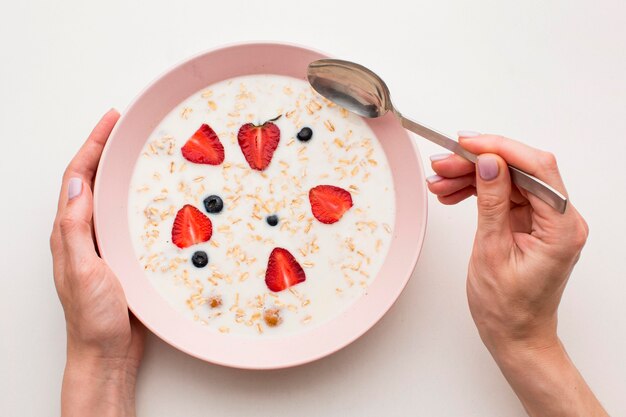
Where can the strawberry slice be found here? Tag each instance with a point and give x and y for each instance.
(258, 143)
(204, 147)
(191, 226)
(329, 203)
(283, 271)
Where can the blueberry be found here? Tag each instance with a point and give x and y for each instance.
(272, 220)
(200, 259)
(213, 204)
(305, 134)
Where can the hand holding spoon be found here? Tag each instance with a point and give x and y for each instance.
(361, 91)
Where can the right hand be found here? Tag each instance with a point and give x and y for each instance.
(524, 250)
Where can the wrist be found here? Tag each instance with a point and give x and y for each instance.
(119, 358)
(505, 348)
(506, 337)
(544, 378)
(95, 382)
(515, 354)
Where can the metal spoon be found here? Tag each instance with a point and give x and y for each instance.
(361, 91)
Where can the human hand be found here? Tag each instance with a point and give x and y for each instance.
(104, 342)
(524, 252)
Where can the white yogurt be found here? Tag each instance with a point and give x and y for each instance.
(340, 260)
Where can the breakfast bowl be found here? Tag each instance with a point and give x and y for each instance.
(251, 222)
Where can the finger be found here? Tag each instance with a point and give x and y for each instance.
(550, 226)
(450, 165)
(521, 219)
(75, 222)
(85, 162)
(445, 186)
(493, 185)
(534, 161)
(458, 196)
(518, 196)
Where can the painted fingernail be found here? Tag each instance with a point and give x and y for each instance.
(433, 179)
(75, 186)
(487, 167)
(467, 134)
(439, 157)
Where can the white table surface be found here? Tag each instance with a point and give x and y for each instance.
(551, 73)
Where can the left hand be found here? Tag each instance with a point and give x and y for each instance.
(104, 341)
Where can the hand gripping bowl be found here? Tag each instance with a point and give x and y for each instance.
(115, 244)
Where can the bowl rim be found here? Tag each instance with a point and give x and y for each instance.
(136, 310)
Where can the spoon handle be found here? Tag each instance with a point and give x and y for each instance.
(522, 179)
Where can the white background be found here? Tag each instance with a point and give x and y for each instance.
(550, 73)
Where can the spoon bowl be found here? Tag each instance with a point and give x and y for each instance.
(351, 86)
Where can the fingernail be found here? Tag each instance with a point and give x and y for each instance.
(433, 179)
(439, 157)
(75, 186)
(487, 167)
(467, 134)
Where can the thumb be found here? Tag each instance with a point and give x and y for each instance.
(75, 221)
(493, 185)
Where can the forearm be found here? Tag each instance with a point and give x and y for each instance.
(546, 381)
(98, 387)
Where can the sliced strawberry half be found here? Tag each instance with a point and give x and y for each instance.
(329, 203)
(191, 226)
(204, 147)
(283, 271)
(258, 143)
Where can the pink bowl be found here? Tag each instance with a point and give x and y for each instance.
(114, 240)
